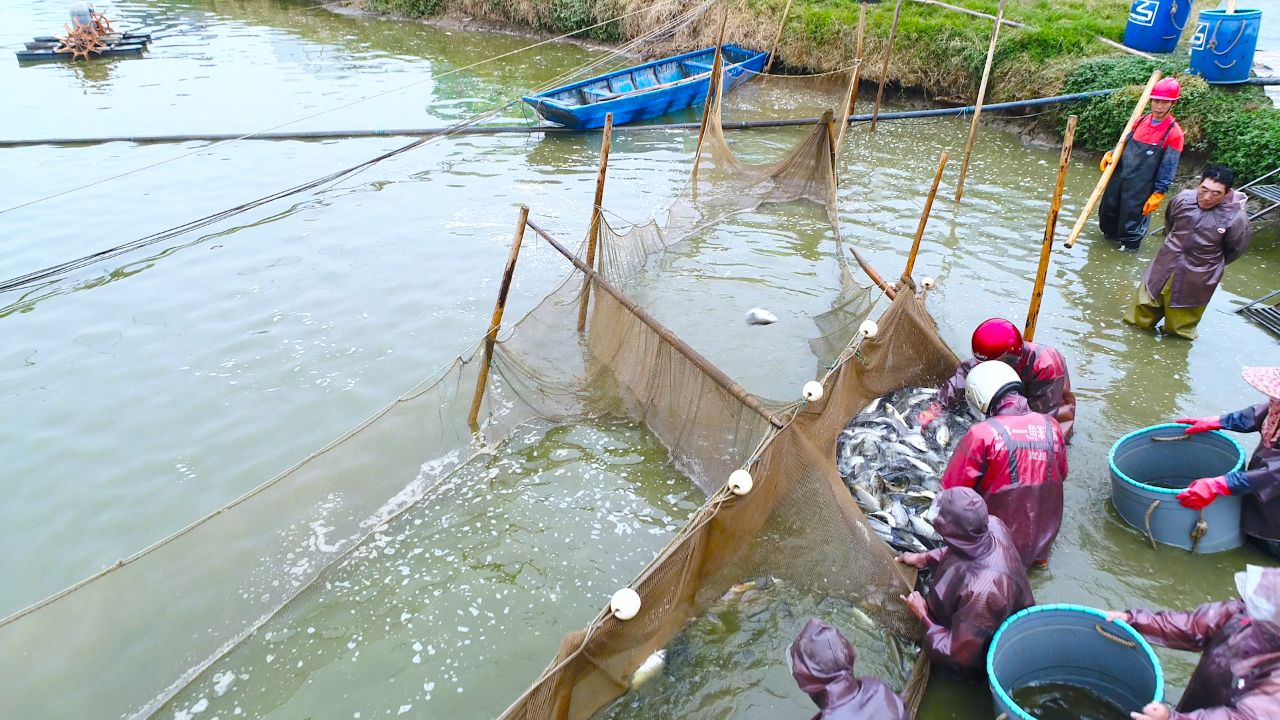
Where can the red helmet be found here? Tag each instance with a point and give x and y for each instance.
(995, 338)
(1166, 89)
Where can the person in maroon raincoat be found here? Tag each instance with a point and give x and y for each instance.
(1016, 459)
(821, 660)
(1259, 482)
(1238, 677)
(978, 581)
(1205, 230)
(1043, 370)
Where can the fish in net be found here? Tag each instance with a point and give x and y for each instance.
(893, 466)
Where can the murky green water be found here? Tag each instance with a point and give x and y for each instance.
(143, 393)
(1060, 701)
(725, 663)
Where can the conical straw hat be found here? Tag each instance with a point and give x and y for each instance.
(1265, 379)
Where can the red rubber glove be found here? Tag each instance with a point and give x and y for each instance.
(1203, 491)
(1199, 425)
(928, 415)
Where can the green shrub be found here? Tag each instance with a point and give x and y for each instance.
(412, 8)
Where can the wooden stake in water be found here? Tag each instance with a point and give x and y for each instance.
(977, 108)
(875, 276)
(482, 380)
(713, 93)
(1037, 291)
(593, 234)
(851, 95)
(1116, 152)
(924, 216)
(773, 51)
(884, 69)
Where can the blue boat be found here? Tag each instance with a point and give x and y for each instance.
(644, 91)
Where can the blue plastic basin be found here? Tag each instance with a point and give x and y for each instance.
(1146, 471)
(1075, 645)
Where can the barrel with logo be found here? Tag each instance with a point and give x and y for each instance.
(1155, 25)
(1223, 45)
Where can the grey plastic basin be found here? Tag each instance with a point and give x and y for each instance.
(1147, 470)
(1076, 645)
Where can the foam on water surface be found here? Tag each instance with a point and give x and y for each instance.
(452, 607)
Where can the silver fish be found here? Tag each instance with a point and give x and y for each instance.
(871, 407)
(942, 434)
(901, 518)
(866, 500)
(760, 316)
(922, 528)
(916, 441)
(649, 669)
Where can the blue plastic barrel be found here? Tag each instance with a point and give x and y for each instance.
(1155, 25)
(1223, 45)
(1149, 467)
(1075, 645)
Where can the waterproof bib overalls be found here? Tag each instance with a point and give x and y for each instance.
(1120, 216)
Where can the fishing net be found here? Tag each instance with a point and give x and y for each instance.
(124, 642)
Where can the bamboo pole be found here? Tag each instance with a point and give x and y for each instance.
(495, 323)
(713, 93)
(875, 276)
(693, 356)
(1042, 272)
(851, 95)
(1231, 7)
(773, 51)
(1115, 154)
(593, 234)
(977, 111)
(832, 146)
(924, 216)
(884, 69)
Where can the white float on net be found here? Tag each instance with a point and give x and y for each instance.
(740, 482)
(625, 604)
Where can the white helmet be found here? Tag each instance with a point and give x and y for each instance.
(987, 381)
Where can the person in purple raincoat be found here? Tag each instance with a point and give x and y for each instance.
(979, 580)
(821, 661)
(1259, 482)
(1205, 230)
(1238, 677)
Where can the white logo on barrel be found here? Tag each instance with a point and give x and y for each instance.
(1144, 12)
(1197, 40)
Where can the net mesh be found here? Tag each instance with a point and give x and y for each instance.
(124, 641)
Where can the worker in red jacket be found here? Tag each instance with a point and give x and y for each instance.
(1146, 169)
(1016, 459)
(1042, 369)
(1238, 677)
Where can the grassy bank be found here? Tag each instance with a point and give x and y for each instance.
(937, 52)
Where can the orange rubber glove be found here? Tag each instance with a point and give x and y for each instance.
(1152, 203)
(1106, 160)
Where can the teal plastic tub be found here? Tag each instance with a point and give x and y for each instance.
(1149, 467)
(1075, 645)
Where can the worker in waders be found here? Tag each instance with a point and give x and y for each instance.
(1016, 459)
(1042, 369)
(1259, 482)
(978, 581)
(1145, 172)
(1205, 230)
(1238, 677)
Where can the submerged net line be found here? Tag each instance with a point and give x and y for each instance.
(258, 553)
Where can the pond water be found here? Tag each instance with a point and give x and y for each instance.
(143, 392)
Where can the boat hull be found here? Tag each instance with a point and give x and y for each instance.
(641, 103)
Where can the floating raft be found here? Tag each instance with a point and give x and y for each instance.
(42, 47)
